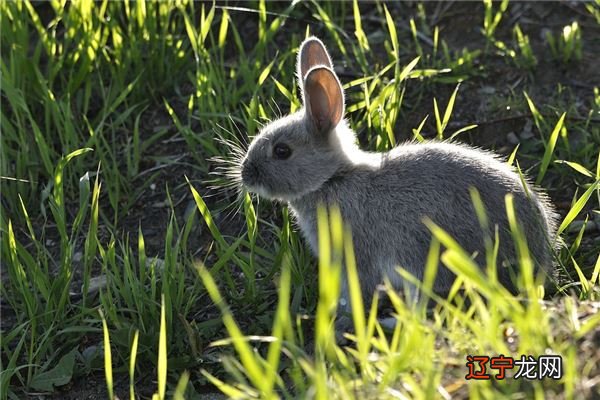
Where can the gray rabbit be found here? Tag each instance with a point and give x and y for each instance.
(311, 157)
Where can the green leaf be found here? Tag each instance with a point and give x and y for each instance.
(537, 116)
(223, 28)
(408, 69)
(511, 159)
(463, 129)
(8, 371)
(392, 30)
(358, 30)
(181, 386)
(585, 284)
(590, 323)
(133, 352)
(191, 32)
(206, 23)
(265, 73)
(438, 120)
(596, 272)
(107, 357)
(207, 216)
(250, 359)
(598, 167)
(576, 209)
(417, 132)
(229, 390)
(288, 95)
(449, 108)
(550, 149)
(162, 352)
(58, 173)
(57, 376)
(577, 167)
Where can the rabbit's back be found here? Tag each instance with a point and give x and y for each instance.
(385, 207)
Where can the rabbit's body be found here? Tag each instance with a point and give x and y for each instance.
(417, 181)
(311, 158)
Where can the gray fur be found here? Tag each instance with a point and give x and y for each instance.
(385, 196)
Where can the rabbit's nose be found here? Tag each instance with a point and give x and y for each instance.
(249, 171)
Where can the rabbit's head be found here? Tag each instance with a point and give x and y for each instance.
(296, 154)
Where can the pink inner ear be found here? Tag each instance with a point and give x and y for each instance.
(320, 106)
(324, 98)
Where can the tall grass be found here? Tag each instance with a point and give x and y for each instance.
(408, 361)
(109, 115)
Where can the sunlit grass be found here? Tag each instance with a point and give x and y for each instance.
(566, 45)
(379, 364)
(106, 105)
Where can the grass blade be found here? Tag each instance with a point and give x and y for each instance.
(248, 358)
(577, 207)
(550, 149)
(134, 347)
(162, 352)
(107, 358)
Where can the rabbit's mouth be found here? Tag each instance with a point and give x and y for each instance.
(251, 178)
(258, 189)
(268, 193)
(251, 184)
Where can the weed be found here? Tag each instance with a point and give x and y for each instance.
(566, 46)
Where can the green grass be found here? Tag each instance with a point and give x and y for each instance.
(119, 261)
(566, 45)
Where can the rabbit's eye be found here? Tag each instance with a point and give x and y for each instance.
(282, 151)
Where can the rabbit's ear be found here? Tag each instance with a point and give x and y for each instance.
(312, 53)
(323, 99)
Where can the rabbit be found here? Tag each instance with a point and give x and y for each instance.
(311, 157)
